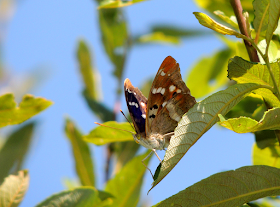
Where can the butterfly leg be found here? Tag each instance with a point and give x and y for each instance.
(154, 150)
(145, 164)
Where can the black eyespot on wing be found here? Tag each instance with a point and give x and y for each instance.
(174, 94)
(155, 106)
(152, 116)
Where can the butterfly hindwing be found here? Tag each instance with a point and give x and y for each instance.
(169, 99)
(137, 106)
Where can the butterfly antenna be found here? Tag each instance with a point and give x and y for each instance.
(127, 119)
(114, 128)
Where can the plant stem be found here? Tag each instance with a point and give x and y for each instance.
(237, 8)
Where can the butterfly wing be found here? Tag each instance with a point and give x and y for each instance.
(169, 99)
(137, 106)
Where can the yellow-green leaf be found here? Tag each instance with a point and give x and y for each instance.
(82, 155)
(229, 188)
(126, 185)
(243, 71)
(14, 150)
(30, 106)
(13, 189)
(230, 20)
(207, 21)
(103, 135)
(198, 120)
(108, 4)
(209, 73)
(159, 37)
(270, 120)
(273, 18)
(269, 155)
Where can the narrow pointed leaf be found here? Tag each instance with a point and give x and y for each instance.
(158, 37)
(103, 135)
(270, 120)
(243, 71)
(273, 18)
(229, 20)
(198, 120)
(126, 185)
(30, 106)
(207, 21)
(209, 73)
(108, 4)
(269, 155)
(99, 109)
(82, 155)
(78, 197)
(14, 150)
(229, 188)
(86, 70)
(13, 189)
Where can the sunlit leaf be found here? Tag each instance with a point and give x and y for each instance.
(86, 70)
(273, 18)
(108, 4)
(207, 21)
(270, 120)
(78, 197)
(14, 150)
(229, 188)
(272, 51)
(159, 37)
(261, 14)
(82, 155)
(230, 20)
(99, 109)
(209, 73)
(198, 120)
(29, 106)
(243, 71)
(13, 189)
(126, 185)
(270, 155)
(103, 135)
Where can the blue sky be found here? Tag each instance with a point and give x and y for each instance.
(44, 35)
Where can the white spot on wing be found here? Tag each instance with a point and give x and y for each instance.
(154, 91)
(162, 73)
(178, 91)
(159, 89)
(144, 116)
(172, 88)
(136, 105)
(143, 104)
(172, 112)
(164, 103)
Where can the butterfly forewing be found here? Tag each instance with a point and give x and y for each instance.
(137, 106)
(169, 99)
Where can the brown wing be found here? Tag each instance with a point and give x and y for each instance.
(169, 99)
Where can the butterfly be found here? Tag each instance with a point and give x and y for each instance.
(155, 118)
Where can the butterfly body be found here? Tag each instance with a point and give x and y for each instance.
(155, 118)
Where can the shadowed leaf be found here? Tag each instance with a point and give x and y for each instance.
(108, 4)
(126, 185)
(14, 150)
(198, 120)
(13, 189)
(230, 188)
(103, 135)
(29, 106)
(82, 155)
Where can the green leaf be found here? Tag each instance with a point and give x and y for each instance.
(84, 59)
(209, 73)
(171, 30)
(230, 188)
(273, 18)
(79, 197)
(115, 38)
(13, 189)
(126, 185)
(270, 155)
(265, 138)
(270, 120)
(99, 109)
(243, 71)
(198, 120)
(108, 4)
(230, 20)
(261, 15)
(82, 155)
(30, 106)
(158, 37)
(207, 21)
(14, 150)
(103, 135)
(272, 51)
